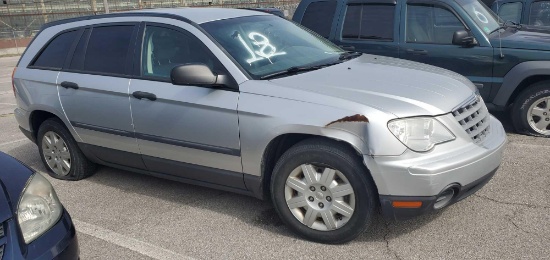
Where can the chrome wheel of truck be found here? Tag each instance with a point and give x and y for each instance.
(531, 110)
(539, 116)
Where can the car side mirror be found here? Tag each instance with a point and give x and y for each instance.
(464, 38)
(196, 75)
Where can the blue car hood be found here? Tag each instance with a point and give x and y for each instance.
(5, 208)
(523, 39)
(13, 178)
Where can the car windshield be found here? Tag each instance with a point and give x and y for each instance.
(481, 14)
(267, 44)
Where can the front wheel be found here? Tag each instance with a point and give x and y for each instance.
(531, 110)
(322, 191)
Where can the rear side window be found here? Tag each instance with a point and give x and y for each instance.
(318, 17)
(107, 49)
(372, 21)
(53, 56)
(511, 12)
(77, 62)
(540, 13)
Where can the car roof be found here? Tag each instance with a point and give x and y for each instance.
(197, 15)
(201, 15)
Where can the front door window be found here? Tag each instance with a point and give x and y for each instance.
(164, 49)
(431, 24)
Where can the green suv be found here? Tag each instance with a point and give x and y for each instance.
(509, 65)
(529, 12)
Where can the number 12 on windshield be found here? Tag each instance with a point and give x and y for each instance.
(266, 49)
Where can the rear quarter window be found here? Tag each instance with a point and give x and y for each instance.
(53, 56)
(319, 16)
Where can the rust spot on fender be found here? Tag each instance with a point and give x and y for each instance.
(347, 119)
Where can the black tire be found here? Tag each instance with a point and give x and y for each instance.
(520, 111)
(338, 156)
(80, 167)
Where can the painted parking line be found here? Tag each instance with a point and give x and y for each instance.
(8, 104)
(14, 141)
(133, 244)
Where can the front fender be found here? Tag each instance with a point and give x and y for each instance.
(264, 118)
(515, 76)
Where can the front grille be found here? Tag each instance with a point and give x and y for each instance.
(473, 116)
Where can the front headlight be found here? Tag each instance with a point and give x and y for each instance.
(39, 208)
(420, 134)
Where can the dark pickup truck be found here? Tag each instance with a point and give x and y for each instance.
(529, 12)
(509, 65)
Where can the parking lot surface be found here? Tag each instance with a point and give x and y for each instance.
(124, 215)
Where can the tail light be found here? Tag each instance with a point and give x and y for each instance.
(13, 82)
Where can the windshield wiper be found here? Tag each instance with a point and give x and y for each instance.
(291, 71)
(296, 69)
(349, 55)
(506, 25)
(498, 29)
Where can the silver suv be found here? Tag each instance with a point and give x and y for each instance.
(249, 102)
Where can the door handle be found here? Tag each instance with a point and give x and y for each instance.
(140, 94)
(348, 47)
(68, 85)
(417, 52)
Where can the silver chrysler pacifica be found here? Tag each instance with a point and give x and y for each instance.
(251, 103)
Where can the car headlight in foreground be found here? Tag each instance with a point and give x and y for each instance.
(39, 208)
(420, 134)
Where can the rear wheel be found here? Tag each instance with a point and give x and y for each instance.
(60, 153)
(531, 111)
(322, 191)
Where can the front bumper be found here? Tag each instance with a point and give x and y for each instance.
(462, 165)
(428, 203)
(60, 242)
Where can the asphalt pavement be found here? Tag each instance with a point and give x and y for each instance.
(124, 215)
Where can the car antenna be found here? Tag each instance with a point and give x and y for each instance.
(499, 38)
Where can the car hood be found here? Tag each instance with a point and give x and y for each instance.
(403, 88)
(13, 178)
(529, 39)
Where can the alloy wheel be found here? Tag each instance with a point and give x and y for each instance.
(539, 116)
